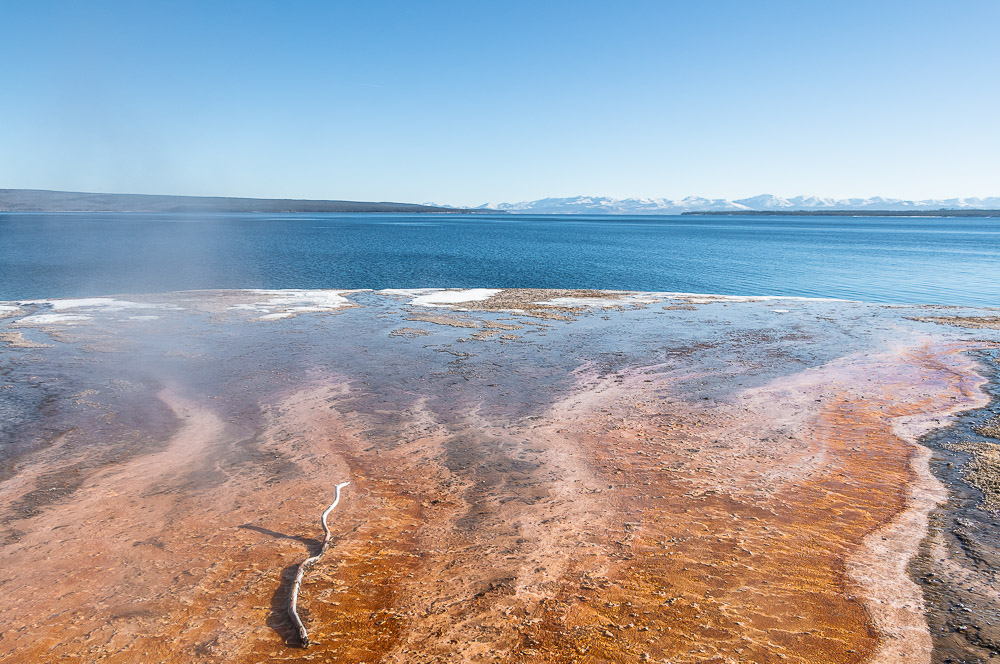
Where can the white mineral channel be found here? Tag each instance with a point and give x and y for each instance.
(294, 597)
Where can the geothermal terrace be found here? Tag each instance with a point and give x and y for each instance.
(535, 476)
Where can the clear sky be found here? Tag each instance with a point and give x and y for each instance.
(472, 101)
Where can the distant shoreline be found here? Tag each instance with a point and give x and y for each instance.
(41, 200)
(849, 213)
(51, 201)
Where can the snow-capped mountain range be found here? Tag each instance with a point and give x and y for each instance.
(606, 205)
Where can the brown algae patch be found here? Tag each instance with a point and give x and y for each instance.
(983, 470)
(971, 322)
(553, 304)
(18, 340)
(493, 325)
(990, 428)
(484, 335)
(534, 302)
(409, 332)
(493, 329)
(444, 319)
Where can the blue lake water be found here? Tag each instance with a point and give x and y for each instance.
(911, 260)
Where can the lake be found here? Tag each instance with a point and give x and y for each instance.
(904, 260)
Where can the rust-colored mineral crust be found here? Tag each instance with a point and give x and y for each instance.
(629, 523)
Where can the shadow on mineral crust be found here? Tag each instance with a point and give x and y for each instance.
(310, 542)
(278, 619)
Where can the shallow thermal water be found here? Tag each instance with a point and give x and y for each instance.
(536, 476)
(942, 261)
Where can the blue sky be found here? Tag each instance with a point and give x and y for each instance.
(469, 102)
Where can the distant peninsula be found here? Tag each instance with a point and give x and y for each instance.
(41, 200)
(849, 213)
